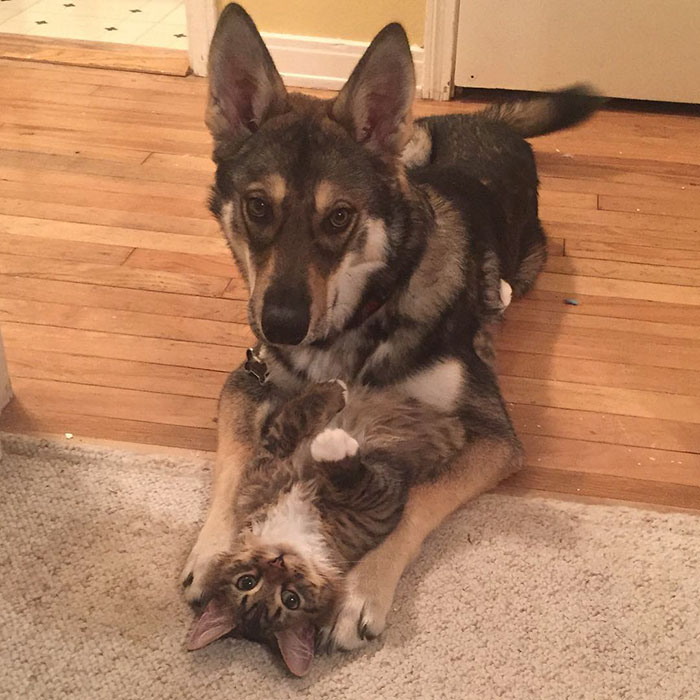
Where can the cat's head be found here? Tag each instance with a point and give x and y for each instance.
(271, 594)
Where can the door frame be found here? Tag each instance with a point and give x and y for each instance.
(440, 39)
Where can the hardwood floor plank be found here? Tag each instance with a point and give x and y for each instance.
(608, 374)
(84, 165)
(612, 269)
(125, 404)
(75, 182)
(606, 486)
(636, 349)
(619, 234)
(99, 234)
(582, 397)
(544, 302)
(630, 252)
(618, 183)
(111, 275)
(136, 323)
(184, 263)
(120, 346)
(26, 415)
(134, 202)
(29, 363)
(94, 296)
(630, 289)
(597, 426)
(152, 221)
(657, 207)
(613, 460)
(566, 318)
(578, 200)
(57, 249)
(94, 54)
(679, 227)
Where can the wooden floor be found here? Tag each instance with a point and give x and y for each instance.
(122, 312)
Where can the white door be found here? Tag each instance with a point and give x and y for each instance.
(640, 49)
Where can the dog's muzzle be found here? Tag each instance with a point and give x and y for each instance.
(286, 315)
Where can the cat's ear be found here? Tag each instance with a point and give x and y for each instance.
(375, 104)
(245, 88)
(216, 621)
(297, 646)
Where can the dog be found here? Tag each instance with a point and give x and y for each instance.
(376, 250)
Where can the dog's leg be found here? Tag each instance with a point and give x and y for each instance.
(371, 584)
(239, 410)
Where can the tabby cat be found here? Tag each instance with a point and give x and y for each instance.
(329, 485)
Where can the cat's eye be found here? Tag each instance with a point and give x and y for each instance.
(290, 600)
(258, 208)
(246, 582)
(340, 217)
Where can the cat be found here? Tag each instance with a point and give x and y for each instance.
(329, 484)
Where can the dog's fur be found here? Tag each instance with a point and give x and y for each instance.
(373, 250)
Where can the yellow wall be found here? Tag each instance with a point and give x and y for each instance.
(336, 19)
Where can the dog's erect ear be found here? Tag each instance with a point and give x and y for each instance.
(375, 104)
(245, 88)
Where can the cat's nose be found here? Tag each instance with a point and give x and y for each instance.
(277, 563)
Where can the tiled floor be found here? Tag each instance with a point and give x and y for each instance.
(144, 22)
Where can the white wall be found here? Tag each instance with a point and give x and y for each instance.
(640, 49)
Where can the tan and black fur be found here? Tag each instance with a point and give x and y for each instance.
(373, 250)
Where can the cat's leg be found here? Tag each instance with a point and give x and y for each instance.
(242, 406)
(302, 415)
(370, 586)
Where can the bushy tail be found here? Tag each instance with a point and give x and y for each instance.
(542, 114)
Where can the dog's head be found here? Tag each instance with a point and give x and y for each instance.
(309, 192)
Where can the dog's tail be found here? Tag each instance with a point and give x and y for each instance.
(548, 112)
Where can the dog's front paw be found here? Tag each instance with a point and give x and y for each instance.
(333, 445)
(205, 553)
(362, 613)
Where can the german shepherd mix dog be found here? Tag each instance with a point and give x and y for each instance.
(373, 249)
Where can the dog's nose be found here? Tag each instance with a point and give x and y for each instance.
(286, 315)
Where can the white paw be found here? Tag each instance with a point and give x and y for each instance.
(210, 544)
(333, 445)
(506, 294)
(362, 617)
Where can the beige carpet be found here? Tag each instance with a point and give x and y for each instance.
(513, 598)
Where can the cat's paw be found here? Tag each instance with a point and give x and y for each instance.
(362, 614)
(333, 445)
(211, 543)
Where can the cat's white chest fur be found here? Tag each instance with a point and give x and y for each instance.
(293, 521)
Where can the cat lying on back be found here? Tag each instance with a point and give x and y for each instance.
(329, 486)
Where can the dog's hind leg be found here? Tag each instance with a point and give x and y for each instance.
(239, 410)
(533, 259)
(371, 584)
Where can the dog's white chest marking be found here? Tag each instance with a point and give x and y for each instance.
(293, 521)
(439, 386)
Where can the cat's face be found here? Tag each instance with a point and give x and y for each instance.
(269, 594)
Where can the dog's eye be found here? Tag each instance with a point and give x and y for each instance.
(339, 218)
(290, 599)
(246, 582)
(258, 208)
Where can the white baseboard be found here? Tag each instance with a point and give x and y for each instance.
(317, 62)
